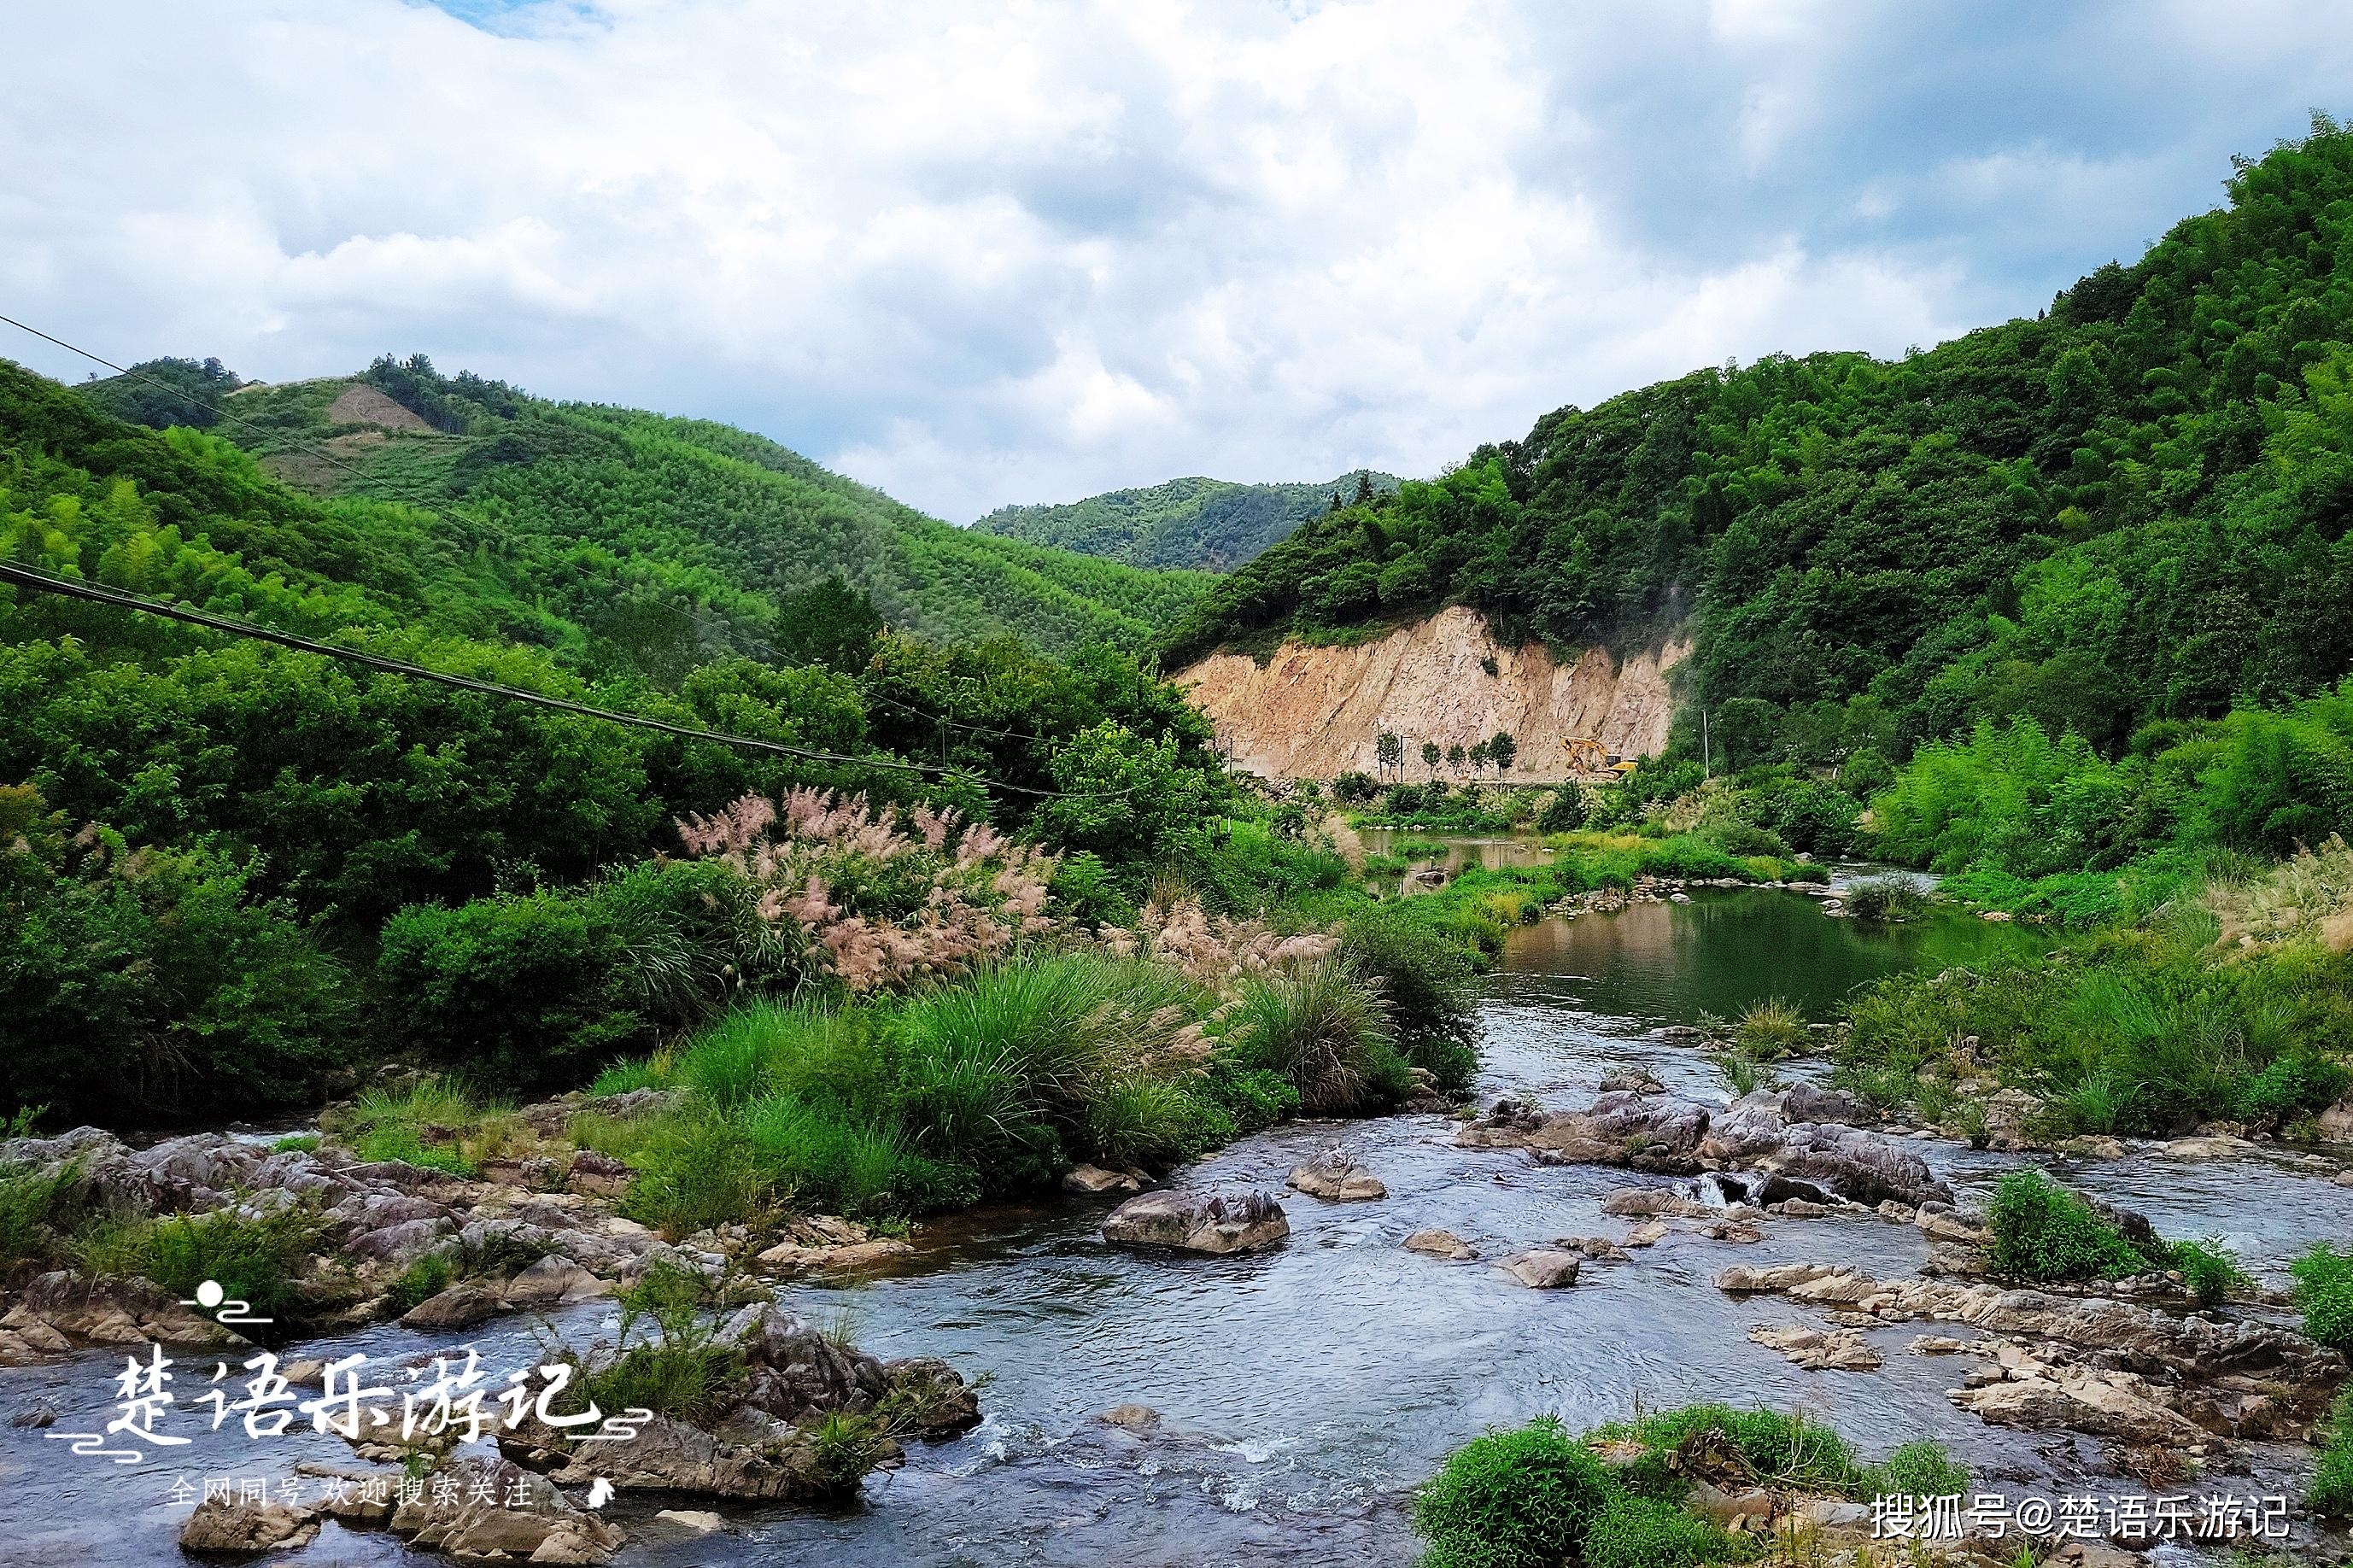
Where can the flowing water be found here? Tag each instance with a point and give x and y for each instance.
(1304, 1390)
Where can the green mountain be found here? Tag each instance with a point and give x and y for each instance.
(2131, 507)
(211, 833)
(1195, 523)
(605, 516)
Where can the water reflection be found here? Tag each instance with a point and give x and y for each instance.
(1671, 962)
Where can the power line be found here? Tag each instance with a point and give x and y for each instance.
(42, 583)
(728, 630)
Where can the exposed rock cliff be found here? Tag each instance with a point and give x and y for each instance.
(1312, 713)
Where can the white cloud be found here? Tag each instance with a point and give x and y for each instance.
(977, 254)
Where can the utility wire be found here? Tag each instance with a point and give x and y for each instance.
(41, 582)
(726, 630)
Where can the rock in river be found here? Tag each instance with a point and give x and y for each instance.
(1198, 1222)
(227, 1528)
(1333, 1175)
(1441, 1244)
(461, 1306)
(1543, 1267)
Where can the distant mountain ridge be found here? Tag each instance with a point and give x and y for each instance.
(602, 515)
(1217, 524)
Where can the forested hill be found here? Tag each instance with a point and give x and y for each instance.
(2133, 506)
(647, 526)
(1194, 522)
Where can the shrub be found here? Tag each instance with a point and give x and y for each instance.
(1325, 1033)
(154, 983)
(1887, 898)
(1920, 1468)
(2043, 1234)
(845, 1446)
(420, 1281)
(1522, 1498)
(2210, 1269)
(1254, 1097)
(394, 1125)
(402, 1143)
(1153, 1123)
(2324, 1291)
(526, 989)
(1780, 1449)
(255, 1260)
(1566, 811)
(821, 1157)
(1743, 1074)
(694, 1172)
(2331, 1490)
(1426, 982)
(1644, 1532)
(1353, 788)
(37, 1213)
(1772, 1029)
(676, 1368)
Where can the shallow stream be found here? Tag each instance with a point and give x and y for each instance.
(1304, 1390)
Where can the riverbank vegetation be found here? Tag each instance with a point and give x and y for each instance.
(1537, 1496)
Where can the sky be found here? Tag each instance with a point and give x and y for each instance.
(981, 254)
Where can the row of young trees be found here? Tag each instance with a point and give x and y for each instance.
(1499, 751)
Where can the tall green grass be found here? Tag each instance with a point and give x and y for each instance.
(1536, 1496)
(994, 1082)
(1319, 1029)
(2143, 1032)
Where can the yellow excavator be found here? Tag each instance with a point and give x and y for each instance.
(1587, 755)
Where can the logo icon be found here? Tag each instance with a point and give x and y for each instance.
(213, 1297)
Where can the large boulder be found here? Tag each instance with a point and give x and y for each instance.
(554, 1281)
(1198, 1222)
(793, 1372)
(61, 1306)
(1441, 1244)
(756, 1458)
(228, 1527)
(461, 1306)
(495, 1509)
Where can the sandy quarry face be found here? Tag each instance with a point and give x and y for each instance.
(1312, 713)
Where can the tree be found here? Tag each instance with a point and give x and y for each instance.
(1478, 757)
(1456, 756)
(830, 623)
(1430, 756)
(1388, 752)
(1503, 751)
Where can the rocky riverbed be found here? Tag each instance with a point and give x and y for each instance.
(1150, 1404)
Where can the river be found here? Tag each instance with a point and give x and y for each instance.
(1303, 1390)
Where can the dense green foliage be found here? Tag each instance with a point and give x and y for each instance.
(666, 535)
(1536, 1497)
(2330, 1492)
(236, 867)
(2134, 1032)
(2324, 1291)
(2043, 1235)
(1523, 1498)
(992, 1084)
(2132, 506)
(165, 391)
(1195, 523)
